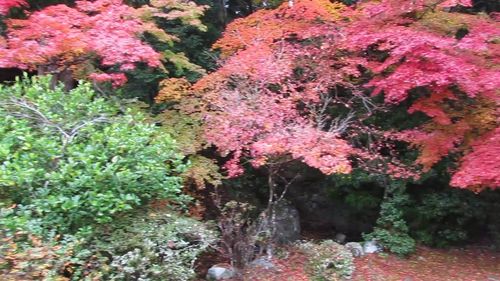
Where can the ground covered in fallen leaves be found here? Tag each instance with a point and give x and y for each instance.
(470, 264)
(291, 268)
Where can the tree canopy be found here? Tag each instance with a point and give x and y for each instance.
(297, 80)
(97, 39)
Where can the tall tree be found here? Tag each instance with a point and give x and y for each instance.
(296, 80)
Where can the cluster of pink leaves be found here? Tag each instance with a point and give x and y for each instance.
(265, 126)
(429, 60)
(420, 58)
(443, 142)
(391, 10)
(249, 120)
(6, 5)
(481, 167)
(252, 121)
(266, 27)
(261, 110)
(64, 36)
(431, 106)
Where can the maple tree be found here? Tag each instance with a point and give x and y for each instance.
(295, 79)
(249, 105)
(277, 98)
(255, 120)
(99, 39)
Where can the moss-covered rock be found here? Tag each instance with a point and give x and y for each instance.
(327, 261)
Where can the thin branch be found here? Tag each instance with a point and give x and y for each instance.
(340, 125)
(286, 187)
(23, 109)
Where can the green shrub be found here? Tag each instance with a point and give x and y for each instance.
(144, 245)
(443, 218)
(327, 261)
(152, 245)
(391, 230)
(75, 159)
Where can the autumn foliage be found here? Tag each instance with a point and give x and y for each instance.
(450, 72)
(254, 94)
(296, 82)
(6, 5)
(99, 39)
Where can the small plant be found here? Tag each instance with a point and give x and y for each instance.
(328, 260)
(239, 235)
(391, 230)
(24, 256)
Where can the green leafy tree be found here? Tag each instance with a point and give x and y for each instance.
(74, 159)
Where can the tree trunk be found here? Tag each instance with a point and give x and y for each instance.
(65, 76)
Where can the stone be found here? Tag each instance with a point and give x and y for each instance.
(371, 247)
(262, 262)
(355, 248)
(286, 223)
(220, 272)
(340, 238)
(420, 258)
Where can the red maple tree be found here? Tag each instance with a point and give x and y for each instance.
(60, 38)
(290, 71)
(254, 95)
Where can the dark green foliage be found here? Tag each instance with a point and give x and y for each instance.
(349, 2)
(142, 84)
(442, 218)
(391, 230)
(195, 44)
(398, 118)
(429, 211)
(488, 6)
(360, 190)
(73, 159)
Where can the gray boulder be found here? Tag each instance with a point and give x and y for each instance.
(340, 238)
(355, 248)
(220, 272)
(371, 247)
(287, 223)
(262, 262)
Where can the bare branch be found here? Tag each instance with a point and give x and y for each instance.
(340, 125)
(22, 108)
